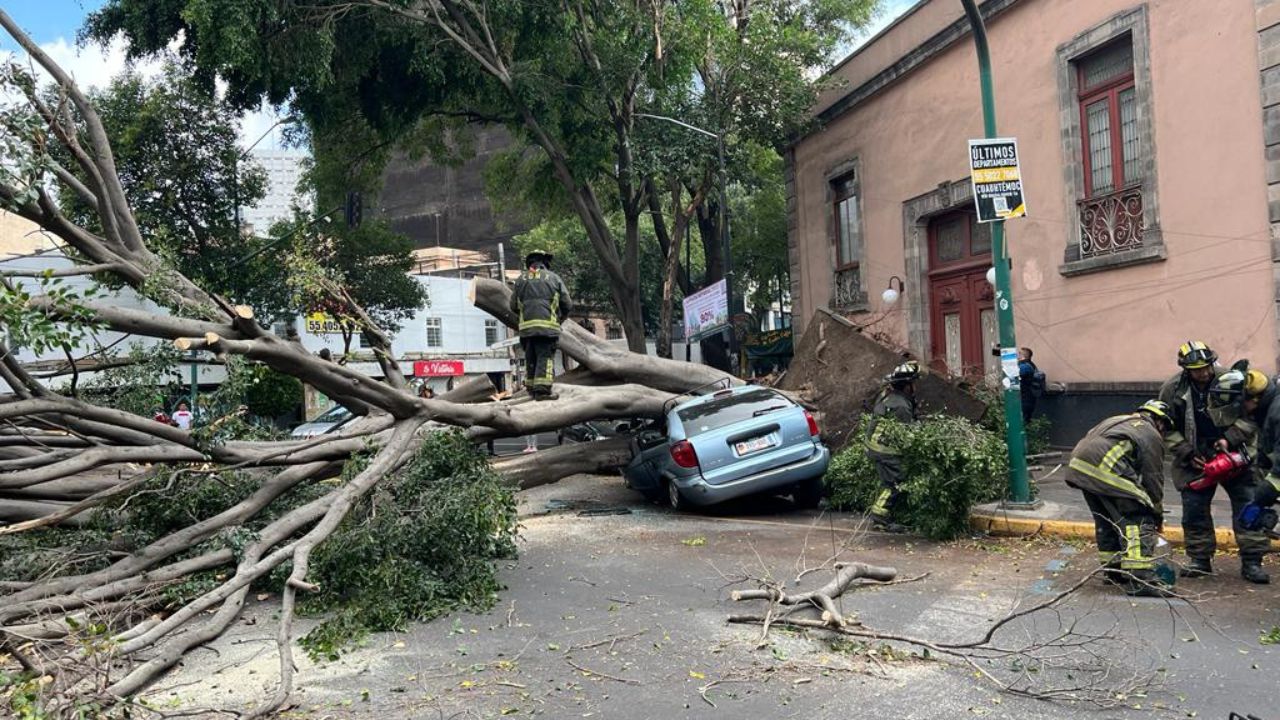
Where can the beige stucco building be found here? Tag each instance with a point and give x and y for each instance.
(19, 236)
(1149, 137)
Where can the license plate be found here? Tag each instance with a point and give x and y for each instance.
(754, 444)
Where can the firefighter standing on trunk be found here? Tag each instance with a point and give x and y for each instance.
(1119, 466)
(1239, 403)
(541, 301)
(897, 401)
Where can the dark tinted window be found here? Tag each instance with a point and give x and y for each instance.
(727, 410)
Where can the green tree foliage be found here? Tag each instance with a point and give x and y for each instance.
(950, 465)
(332, 265)
(419, 546)
(572, 79)
(424, 543)
(580, 268)
(177, 153)
(760, 233)
(271, 393)
(142, 380)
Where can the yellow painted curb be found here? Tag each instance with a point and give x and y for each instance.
(1023, 527)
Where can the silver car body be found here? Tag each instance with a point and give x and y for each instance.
(327, 422)
(747, 440)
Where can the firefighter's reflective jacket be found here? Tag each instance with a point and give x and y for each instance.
(541, 301)
(894, 404)
(1123, 456)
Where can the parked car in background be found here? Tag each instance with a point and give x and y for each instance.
(731, 443)
(328, 421)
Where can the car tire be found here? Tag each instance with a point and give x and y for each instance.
(808, 493)
(675, 499)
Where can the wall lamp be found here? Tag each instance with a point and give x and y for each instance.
(891, 295)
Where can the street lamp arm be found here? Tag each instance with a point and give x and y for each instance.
(681, 123)
(287, 119)
(276, 241)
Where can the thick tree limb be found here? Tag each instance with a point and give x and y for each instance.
(602, 359)
(553, 464)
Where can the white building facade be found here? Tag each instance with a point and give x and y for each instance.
(284, 171)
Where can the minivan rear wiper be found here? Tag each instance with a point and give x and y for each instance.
(769, 409)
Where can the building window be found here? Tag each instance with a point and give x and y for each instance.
(848, 227)
(1105, 83)
(490, 332)
(435, 333)
(613, 332)
(844, 192)
(1109, 119)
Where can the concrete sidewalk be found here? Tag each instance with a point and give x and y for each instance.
(1064, 514)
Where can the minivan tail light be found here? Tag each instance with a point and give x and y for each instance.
(684, 455)
(813, 424)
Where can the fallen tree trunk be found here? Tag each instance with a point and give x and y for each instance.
(547, 466)
(272, 503)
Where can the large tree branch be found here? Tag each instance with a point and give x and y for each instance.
(603, 360)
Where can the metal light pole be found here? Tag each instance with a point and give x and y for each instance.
(688, 272)
(235, 169)
(195, 378)
(1019, 486)
(725, 237)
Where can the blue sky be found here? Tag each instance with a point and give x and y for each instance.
(48, 20)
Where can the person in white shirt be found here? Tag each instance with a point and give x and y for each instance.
(182, 417)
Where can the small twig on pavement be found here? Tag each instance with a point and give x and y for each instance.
(609, 640)
(614, 678)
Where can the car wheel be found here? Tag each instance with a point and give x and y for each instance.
(675, 500)
(808, 493)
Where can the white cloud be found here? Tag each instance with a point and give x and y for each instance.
(93, 66)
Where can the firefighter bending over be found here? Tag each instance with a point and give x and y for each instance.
(1119, 466)
(897, 401)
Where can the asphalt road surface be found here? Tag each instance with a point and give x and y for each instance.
(618, 609)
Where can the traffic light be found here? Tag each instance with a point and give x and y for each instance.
(354, 209)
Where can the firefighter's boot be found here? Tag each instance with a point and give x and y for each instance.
(1251, 570)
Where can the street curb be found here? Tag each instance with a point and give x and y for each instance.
(1010, 526)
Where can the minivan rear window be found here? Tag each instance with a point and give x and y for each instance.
(727, 410)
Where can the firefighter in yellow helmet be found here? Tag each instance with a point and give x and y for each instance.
(896, 401)
(1190, 444)
(541, 301)
(1119, 466)
(1240, 401)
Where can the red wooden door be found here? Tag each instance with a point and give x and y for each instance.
(962, 315)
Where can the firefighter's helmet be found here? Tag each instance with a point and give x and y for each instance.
(1229, 390)
(538, 255)
(904, 373)
(1159, 410)
(1195, 354)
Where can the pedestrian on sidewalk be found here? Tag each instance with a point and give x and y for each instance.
(1240, 400)
(182, 417)
(1031, 381)
(530, 444)
(896, 401)
(1119, 467)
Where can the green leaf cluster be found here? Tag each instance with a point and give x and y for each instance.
(64, 321)
(271, 393)
(950, 465)
(422, 544)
